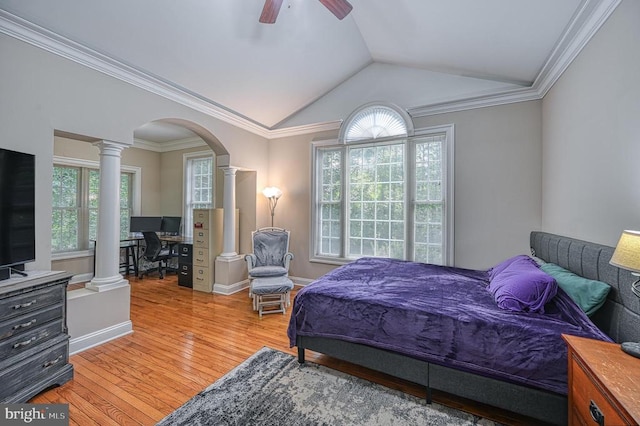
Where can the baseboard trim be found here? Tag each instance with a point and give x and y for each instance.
(81, 278)
(82, 343)
(227, 289)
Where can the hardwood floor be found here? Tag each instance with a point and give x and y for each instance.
(183, 341)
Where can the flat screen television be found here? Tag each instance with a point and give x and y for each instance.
(17, 210)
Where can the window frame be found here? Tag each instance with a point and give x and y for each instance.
(448, 191)
(187, 218)
(136, 189)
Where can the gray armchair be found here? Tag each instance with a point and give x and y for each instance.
(269, 261)
(271, 256)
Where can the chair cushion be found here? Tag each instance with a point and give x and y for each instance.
(270, 247)
(273, 285)
(268, 271)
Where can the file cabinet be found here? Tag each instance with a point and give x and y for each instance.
(185, 265)
(207, 245)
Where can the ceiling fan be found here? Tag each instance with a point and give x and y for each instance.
(340, 8)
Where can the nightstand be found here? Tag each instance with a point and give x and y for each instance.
(604, 383)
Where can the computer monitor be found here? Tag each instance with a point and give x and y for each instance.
(145, 223)
(171, 224)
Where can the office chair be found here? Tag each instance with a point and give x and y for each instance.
(154, 252)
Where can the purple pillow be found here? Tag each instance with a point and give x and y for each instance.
(522, 287)
(504, 264)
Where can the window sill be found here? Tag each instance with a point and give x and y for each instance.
(72, 255)
(331, 260)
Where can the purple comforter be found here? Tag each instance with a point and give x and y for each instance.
(442, 315)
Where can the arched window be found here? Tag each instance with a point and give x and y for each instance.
(375, 122)
(381, 190)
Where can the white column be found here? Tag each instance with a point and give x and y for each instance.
(229, 217)
(107, 252)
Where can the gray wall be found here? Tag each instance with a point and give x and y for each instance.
(591, 136)
(498, 153)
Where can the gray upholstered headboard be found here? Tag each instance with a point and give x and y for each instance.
(619, 317)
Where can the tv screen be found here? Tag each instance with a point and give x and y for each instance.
(17, 208)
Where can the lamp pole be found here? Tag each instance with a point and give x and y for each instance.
(273, 194)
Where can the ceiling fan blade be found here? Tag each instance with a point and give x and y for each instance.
(270, 11)
(340, 8)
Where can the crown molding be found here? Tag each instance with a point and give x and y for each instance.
(176, 145)
(38, 36)
(482, 101)
(591, 16)
(587, 21)
(304, 129)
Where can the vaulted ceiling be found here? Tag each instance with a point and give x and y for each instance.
(309, 67)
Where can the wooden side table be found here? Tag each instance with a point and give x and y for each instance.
(604, 383)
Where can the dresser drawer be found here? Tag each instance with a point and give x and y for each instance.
(34, 367)
(200, 257)
(589, 402)
(28, 340)
(29, 321)
(27, 302)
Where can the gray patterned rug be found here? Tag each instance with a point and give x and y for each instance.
(271, 388)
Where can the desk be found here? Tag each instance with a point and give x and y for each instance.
(169, 241)
(131, 245)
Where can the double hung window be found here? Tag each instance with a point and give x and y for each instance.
(198, 189)
(75, 197)
(383, 191)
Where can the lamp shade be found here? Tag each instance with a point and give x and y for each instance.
(272, 192)
(627, 253)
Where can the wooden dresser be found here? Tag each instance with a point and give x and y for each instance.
(34, 344)
(604, 383)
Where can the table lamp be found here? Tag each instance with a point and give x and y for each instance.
(627, 256)
(273, 194)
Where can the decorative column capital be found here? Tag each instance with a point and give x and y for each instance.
(110, 148)
(229, 171)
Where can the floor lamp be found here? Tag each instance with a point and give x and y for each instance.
(273, 194)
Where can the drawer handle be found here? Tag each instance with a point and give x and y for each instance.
(596, 414)
(24, 343)
(25, 325)
(25, 305)
(199, 260)
(50, 363)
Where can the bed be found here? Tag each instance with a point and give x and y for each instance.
(440, 327)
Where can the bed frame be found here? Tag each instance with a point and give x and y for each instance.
(619, 318)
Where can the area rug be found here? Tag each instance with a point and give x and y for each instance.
(271, 388)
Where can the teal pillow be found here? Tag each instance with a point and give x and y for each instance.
(588, 294)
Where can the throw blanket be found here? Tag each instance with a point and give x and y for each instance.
(443, 315)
